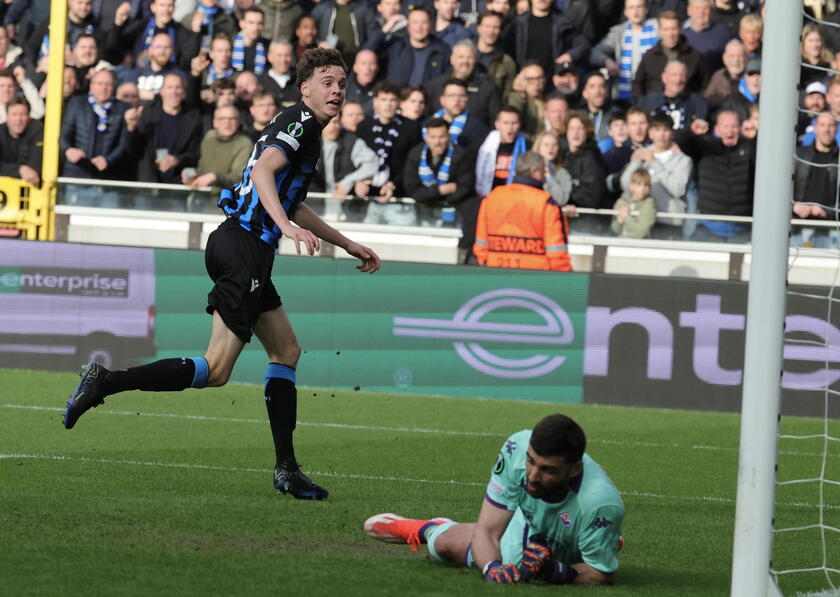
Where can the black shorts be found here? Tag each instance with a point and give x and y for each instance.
(239, 264)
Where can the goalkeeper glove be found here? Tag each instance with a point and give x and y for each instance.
(497, 572)
(535, 556)
(558, 573)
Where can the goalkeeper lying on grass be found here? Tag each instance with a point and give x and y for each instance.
(550, 514)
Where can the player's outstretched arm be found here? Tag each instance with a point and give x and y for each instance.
(270, 163)
(308, 219)
(492, 522)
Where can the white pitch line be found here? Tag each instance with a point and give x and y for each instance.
(210, 467)
(655, 445)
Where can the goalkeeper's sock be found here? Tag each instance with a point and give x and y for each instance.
(281, 404)
(167, 375)
(430, 532)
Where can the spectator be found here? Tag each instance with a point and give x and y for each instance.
(556, 108)
(520, 225)
(704, 35)
(207, 21)
(347, 161)
(437, 175)
(360, 83)
(558, 182)
(749, 127)
(814, 54)
(263, 109)
(483, 97)
(21, 143)
(832, 98)
(79, 21)
(346, 25)
(391, 138)
(725, 81)
(279, 79)
(221, 52)
(149, 78)
(10, 54)
(617, 134)
(419, 57)
(726, 172)
(672, 46)
(93, 133)
(636, 210)
(813, 102)
(14, 82)
(465, 128)
(250, 48)
(351, 115)
(500, 66)
(566, 82)
(224, 152)
(583, 161)
(622, 49)
(527, 96)
(280, 16)
(23, 16)
(815, 186)
(165, 135)
(495, 163)
(245, 87)
(84, 57)
(595, 103)
(526, 38)
(128, 94)
(391, 21)
(448, 27)
(749, 90)
(669, 170)
(616, 158)
(728, 13)
(138, 35)
(306, 36)
(500, 7)
(749, 32)
(70, 85)
(682, 105)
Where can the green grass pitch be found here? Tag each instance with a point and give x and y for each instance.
(170, 494)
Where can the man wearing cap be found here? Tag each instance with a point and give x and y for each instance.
(566, 81)
(622, 49)
(832, 98)
(749, 88)
(813, 102)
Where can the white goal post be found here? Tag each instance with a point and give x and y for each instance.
(766, 304)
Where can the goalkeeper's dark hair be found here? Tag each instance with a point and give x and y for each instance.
(315, 59)
(558, 435)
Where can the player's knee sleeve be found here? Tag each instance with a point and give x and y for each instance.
(432, 535)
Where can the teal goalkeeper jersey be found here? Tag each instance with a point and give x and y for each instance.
(584, 527)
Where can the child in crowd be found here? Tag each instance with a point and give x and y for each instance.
(636, 209)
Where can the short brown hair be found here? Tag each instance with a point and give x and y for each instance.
(640, 176)
(318, 58)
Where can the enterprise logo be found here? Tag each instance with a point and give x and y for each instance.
(102, 283)
(468, 329)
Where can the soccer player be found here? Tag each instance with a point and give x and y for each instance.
(550, 513)
(265, 205)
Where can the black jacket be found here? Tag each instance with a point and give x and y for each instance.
(401, 61)
(409, 136)
(649, 74)
(589, 187)
(283, 96)
(460, 172)
(564, 38)
(803, 171)
(142, 142)
(483, 100)
(78, 129)
(725, 175)
(27, 149)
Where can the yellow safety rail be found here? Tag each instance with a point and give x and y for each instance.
(25, 207)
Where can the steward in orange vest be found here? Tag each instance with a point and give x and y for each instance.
(520, 225)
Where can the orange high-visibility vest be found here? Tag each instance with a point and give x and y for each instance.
(520, 226)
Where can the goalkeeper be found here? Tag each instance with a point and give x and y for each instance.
(550, 513)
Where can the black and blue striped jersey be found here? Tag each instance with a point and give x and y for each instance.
(297, 133)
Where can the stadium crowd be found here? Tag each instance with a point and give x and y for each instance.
(641, 105)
